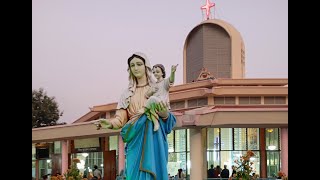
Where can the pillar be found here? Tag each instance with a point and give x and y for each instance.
(284, 150)
(37, 169)
(121, 160)
(263, 153)
(64, 156)
(196, 158)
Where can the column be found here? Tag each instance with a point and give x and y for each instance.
(121, 162)
(263, 153)
(196, 158)
(37, 169)
(284, 150)
(64, 156)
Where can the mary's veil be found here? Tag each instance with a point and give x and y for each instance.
(125, 97)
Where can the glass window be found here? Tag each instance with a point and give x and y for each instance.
(226, 159)
(275, 100)
(230, 100)
(172, 163)
(176, 161)
(256, 162)
(44, 167)
(226, 138)
(188, 164)
(202, 101)
(188, 140)
(57, 147)
(213, 157)
(33, 169)
(224, 100)
(280, 100)
(218, 100)
(192, 103)
(273, 163)
(255, 100)
(180, 140)
(272, 139)
(253, 138)
(113, 143)
(33, 151)
(213, 142)
(244, 100)
(88, 160)
(240, 139)
(170, 142)
(177, 105)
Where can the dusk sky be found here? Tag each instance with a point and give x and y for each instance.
(80, 47)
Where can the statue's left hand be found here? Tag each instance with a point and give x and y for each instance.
(163, 110)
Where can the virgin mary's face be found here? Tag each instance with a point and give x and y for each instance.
(137, 67)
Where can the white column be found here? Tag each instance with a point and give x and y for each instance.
(64, 153)
(196, 154)
(284, 150)
(121, 162)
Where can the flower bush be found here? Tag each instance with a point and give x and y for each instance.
(282, 175)
(73, 173)
(244, 166)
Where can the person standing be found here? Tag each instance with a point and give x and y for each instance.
(96, 173)
(211, 172)
(225, 172)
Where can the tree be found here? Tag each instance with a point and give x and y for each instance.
(45, 111)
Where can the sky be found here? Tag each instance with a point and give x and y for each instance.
(80, 47)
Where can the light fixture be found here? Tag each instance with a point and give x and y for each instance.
(270, 130)
(272, 147)
(84, 154)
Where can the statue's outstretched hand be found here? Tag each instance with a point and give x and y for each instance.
(103, 123)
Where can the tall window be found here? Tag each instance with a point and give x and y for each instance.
(57, 147)
(273, 163)
(88, 160)
(113, 143)
(253, 138)
(234, 143)
(214, 143)
(178, 142)
(272, 139)
(33, 160)
(226, 139)
(240, 139)
(273, 151)
(213, 140)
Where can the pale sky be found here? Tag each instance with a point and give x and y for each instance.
(80, 47)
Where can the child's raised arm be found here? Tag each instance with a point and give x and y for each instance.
(173, 70)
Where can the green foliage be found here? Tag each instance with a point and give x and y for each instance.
(45, 110)
(73, 173)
